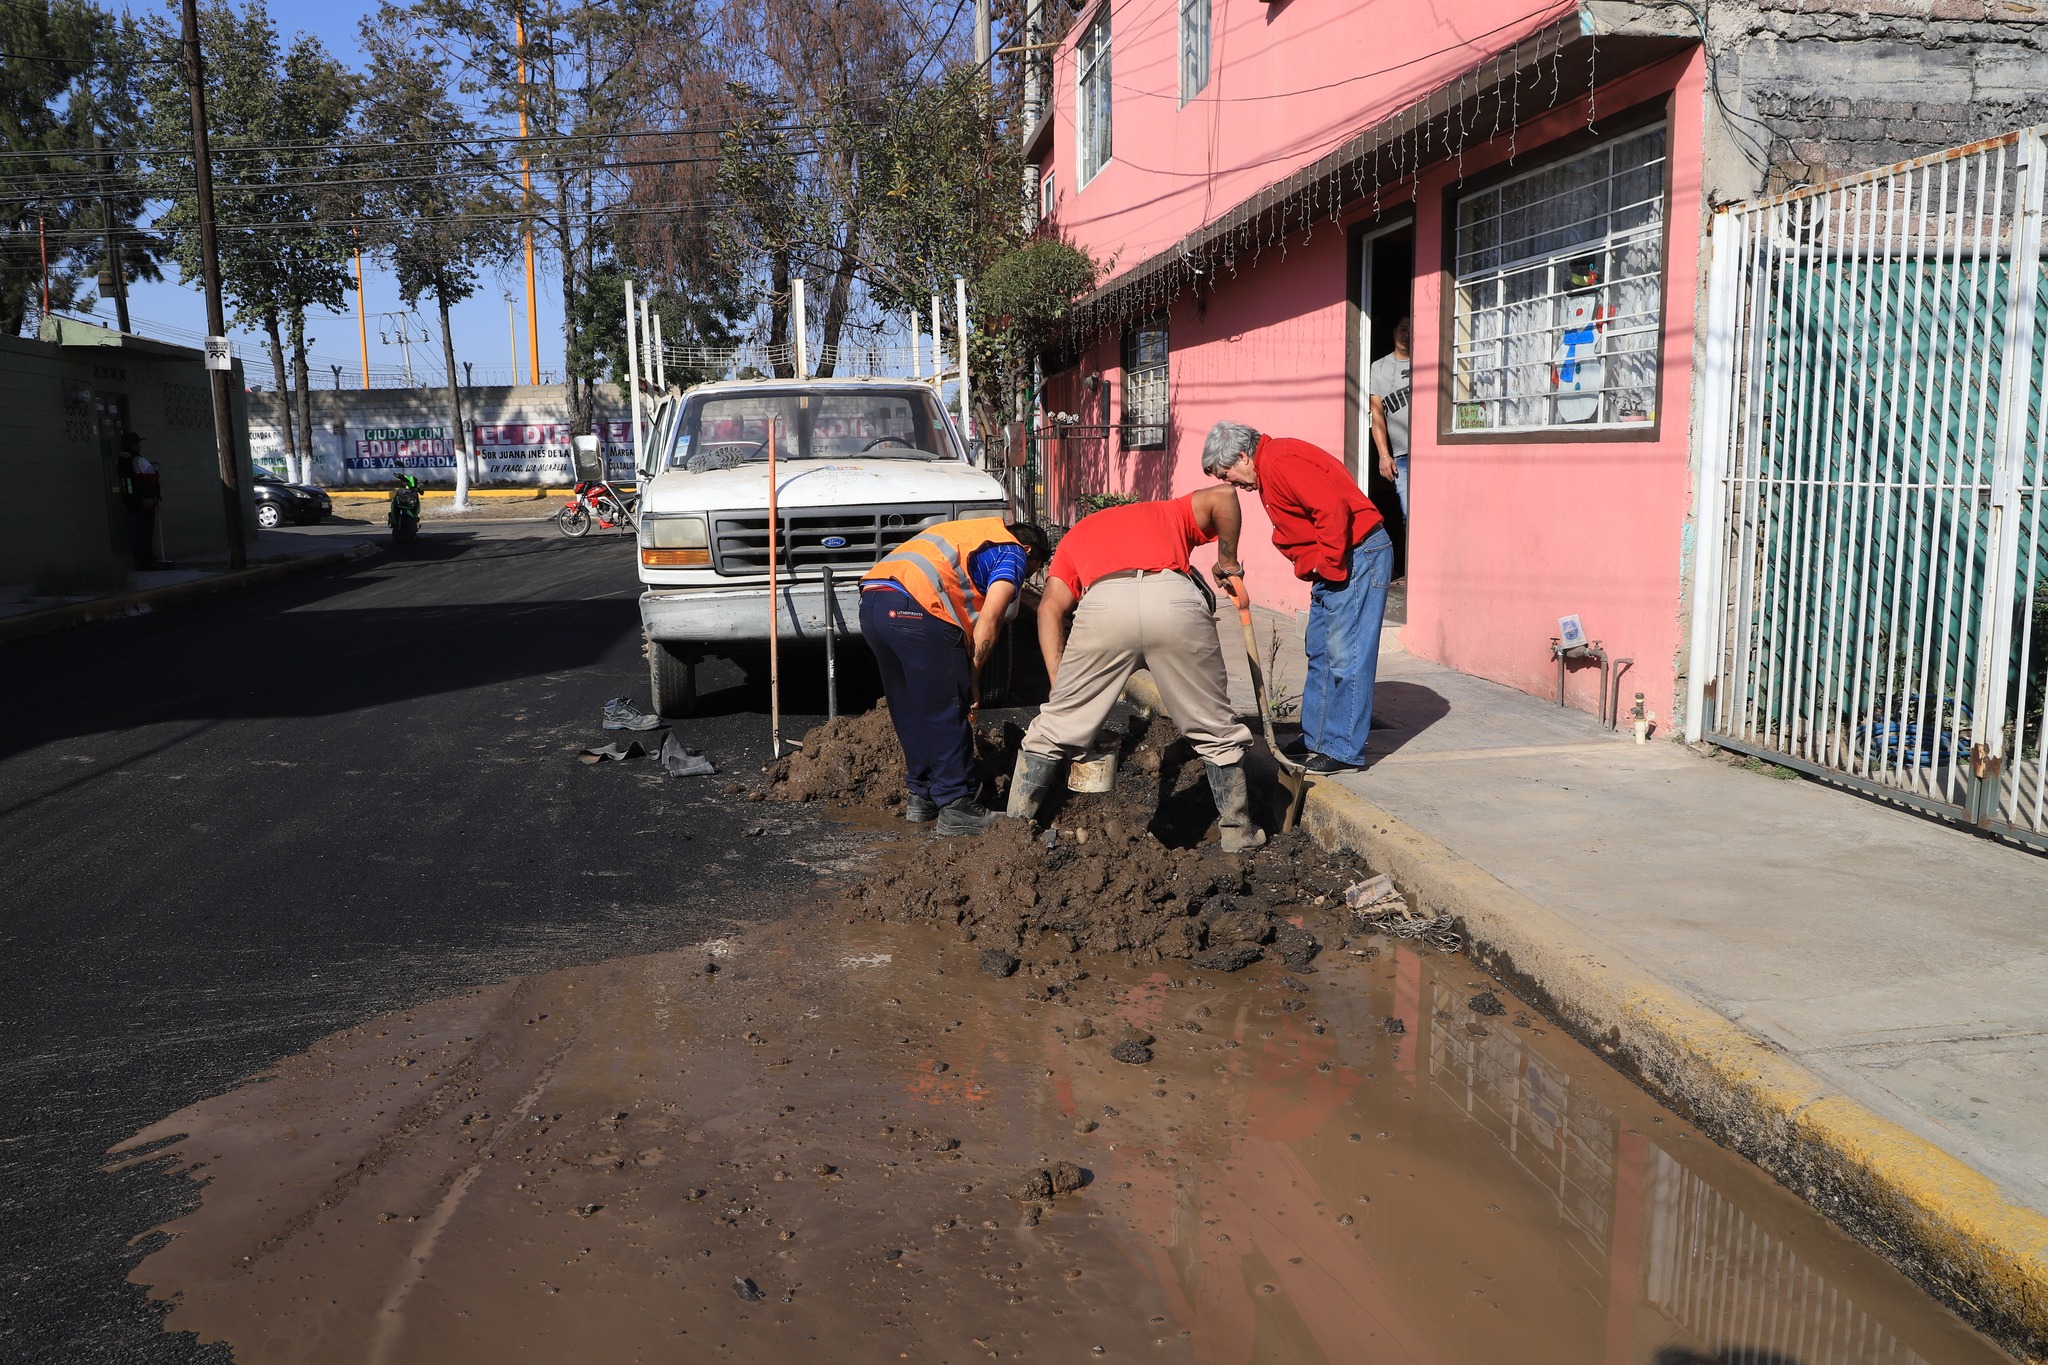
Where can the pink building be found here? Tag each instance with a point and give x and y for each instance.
(1274, 186)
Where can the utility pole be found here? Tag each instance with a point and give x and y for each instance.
(983, 42)
(526, 180)
(398, 323)
(512, 330)
(113, 274)
(218, 358)
(362, 319)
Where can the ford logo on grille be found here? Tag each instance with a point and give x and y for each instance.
(834, 542)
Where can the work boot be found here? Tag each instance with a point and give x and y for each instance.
(1029, 783)
(965, 816)
(1233, 808)
(919, 810)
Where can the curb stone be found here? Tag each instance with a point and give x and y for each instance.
(1943, 1224)
(111, 608)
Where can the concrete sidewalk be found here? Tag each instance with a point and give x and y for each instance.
(271, 554)
(1882, 972)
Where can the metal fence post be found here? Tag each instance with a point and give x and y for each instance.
(1710, 504)
(2015, 395)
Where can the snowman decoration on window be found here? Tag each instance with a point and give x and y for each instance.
(1577, 371)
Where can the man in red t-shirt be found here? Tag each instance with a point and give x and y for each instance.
(1331, 533)
(1122, 575)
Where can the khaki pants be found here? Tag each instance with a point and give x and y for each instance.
(1159, 622)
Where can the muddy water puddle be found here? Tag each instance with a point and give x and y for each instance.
(802, 1145)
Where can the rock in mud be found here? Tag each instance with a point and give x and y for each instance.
(1086, 1029)
(1488, 1004)
(1131, 1052)
(747, 1289)
(1240, 925)
(1395, 1026)
(1295, 947)
(1067, 1177)
(1228, 957)
(998, 962)
(1036, 1185)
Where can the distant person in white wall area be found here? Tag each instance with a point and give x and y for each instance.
(1389, 382)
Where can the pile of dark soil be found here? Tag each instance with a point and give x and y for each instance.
(1048, 896)
(1134, 871)
(853, 757)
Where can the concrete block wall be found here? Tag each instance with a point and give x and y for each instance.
(50, 454)
(1825, 88)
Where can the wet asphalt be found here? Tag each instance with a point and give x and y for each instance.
(230, 828)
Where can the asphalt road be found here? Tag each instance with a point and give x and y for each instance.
(231, 828)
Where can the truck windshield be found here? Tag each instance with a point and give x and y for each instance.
(725, 430)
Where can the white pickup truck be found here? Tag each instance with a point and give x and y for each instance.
(862, 465)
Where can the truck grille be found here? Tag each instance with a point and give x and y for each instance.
(739, 540)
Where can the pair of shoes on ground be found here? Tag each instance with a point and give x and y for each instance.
(965, 816)
(1298, 750)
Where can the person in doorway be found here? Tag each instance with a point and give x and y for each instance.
(1333, 535)
(930, 612)
(1390, 384)
(1123, 579)
(141, 493)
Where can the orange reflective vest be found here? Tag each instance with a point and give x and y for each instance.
(932, 567)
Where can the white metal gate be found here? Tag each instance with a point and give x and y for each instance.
(1870, 591)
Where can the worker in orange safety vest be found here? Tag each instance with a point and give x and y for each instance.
(930, 612)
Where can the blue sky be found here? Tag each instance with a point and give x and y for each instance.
(176, 310)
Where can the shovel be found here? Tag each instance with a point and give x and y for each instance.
(1293, 777)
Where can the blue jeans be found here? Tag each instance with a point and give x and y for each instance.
(1401, 484)
(1344, 652)
(929, 680)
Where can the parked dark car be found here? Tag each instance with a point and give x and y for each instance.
(283, 504)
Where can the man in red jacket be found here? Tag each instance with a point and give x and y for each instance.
(1332, 534)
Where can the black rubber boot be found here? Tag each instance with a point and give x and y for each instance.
(1233, 808)
(1029, 783)
(919, 810)
(965, 816)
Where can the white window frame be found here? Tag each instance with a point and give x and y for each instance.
(1093, 121)
(1147, 388)
(1194, 48)
(1502, 373)
(1047, 196)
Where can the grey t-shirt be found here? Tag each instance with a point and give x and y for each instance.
(1388, 381)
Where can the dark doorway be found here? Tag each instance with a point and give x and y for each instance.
(1386, 283)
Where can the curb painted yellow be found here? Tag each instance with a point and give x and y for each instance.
(1945, 1224)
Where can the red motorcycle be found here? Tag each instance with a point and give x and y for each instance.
(595, 500)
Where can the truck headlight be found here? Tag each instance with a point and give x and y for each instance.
(674, 543)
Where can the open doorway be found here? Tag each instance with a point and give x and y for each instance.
(1386, 282)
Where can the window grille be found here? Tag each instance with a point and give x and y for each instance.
(1091, 97)
(1558, 298)
(1145, 389)
(1194, 48)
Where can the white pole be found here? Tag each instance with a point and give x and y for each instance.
(632, 374)
(660, 359)
(1710, 527)
(803, 359)
(916, 348)
(960, 332)
(938, 357)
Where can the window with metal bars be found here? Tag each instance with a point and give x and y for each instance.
(1145, 389)
(1558, 293)
(1194, 48)
(1091, 98)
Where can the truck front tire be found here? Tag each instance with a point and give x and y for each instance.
(671, 679)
